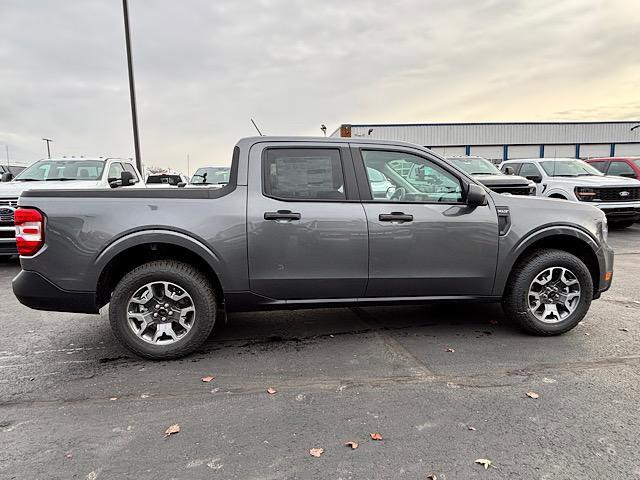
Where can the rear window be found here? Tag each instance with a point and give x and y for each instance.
(304, 174)
(166, 179)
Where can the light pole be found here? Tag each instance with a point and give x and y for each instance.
(48, 140)
(132, 91)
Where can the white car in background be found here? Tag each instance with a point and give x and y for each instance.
(575, 180)
(211, 176)
(65, 173)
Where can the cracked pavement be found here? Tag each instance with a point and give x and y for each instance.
(74, 404)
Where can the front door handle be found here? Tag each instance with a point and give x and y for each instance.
(282, 215)
(395, 217)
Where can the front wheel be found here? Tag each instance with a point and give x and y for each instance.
(548, 293)
(163, 309)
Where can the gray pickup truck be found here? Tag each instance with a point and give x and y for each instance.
(297, 226)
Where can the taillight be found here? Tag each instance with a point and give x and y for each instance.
(29, 230)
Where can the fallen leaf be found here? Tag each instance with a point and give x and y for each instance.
(353, 445)
(316, 452)
(587, 334)
(485, 462)
(375, 436)
(113, 399)
(171, 430)
(271, 391)
(68, 455)
(144, 395)
(533, 395)
(207, 379)
(473, 429)
(623, 329)
(433, 476)
(450, 350)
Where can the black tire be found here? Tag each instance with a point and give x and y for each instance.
(187, 277)
(619, 225)
(515, 299)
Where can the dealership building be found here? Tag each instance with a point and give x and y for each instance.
(502, 141)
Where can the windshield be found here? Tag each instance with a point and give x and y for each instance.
(569, 168)
(475, 165)
(211, 175)
(62, 170)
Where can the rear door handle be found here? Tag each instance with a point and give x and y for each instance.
(395, 217)
(282, 215)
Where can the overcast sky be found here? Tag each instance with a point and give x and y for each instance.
(205, 67)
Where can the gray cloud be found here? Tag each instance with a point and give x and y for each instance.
(204, 68)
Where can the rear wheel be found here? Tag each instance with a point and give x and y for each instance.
(163, 309)
(548, 293)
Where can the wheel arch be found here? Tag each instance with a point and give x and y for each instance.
(137, 248)
(569, 239)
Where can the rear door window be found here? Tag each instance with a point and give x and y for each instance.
(529, 170)
(304, 174)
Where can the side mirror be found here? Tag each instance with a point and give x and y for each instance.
(508, 171)
(7, 176)
(126, 179)
(534, 178)
(476, 196)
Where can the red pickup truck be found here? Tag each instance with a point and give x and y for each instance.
(620, 166)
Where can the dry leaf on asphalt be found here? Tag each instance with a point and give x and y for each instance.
(532, 395)
(113, 399)
(375, 436)
(207, 379)
(271, 391)
(450, 350)
(316, 452)
(171, 430)
(473, 429)
(433, 476)
(485, 462)
(353, 445)
(623, 329)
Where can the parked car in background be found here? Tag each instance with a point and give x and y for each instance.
(576, 180)
(167, 179)
(7, 172)
(628, 167)
(491, 177)
(381, 187)
(211, 176)
(298, 226)
(57, 173)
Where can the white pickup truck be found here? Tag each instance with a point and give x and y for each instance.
(575, 180)
(57, 173)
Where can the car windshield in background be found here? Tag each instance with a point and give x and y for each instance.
(211, 176)
(166, 179)
(475, 165)
(62, 170)
(637, 162)
(569, 168)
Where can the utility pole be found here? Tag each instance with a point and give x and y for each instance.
(48, 140)
(132, 92)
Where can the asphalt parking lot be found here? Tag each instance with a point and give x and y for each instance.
(443, 385)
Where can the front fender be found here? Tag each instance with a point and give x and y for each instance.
(507, 261)
(160, 236)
